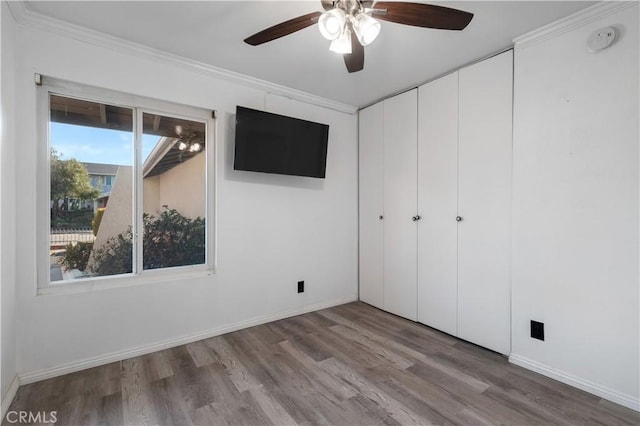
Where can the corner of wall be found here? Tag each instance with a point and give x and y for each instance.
(9, 395)
(575, 206)
(8, 355)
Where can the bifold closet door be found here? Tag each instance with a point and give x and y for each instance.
(400, 204)
(371, 204)
(438, 203)
(484, 194)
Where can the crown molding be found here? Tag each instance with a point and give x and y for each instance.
(34, 20)
(578, 19)
(17, 9)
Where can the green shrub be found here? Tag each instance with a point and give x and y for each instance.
(115, 256)
(172, 240)
(76, 256)
(73, 219)
(168, 240)
(97, 220)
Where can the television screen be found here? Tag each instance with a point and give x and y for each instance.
(272, 143)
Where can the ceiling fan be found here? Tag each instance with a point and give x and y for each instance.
(343, 19)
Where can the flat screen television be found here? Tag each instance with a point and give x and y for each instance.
(272, 143)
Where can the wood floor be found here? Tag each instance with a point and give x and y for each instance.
(348, 365)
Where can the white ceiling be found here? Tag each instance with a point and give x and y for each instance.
(401, 57)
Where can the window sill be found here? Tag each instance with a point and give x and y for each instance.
(107, 283)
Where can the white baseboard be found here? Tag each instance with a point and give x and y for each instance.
(585, 385)
(7, 398)
(47, 373)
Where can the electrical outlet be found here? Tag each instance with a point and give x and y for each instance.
(537, 330)
(300, 286)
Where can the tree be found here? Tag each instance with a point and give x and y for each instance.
(69, 179)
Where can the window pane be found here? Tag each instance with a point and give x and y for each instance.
(91, 221)
(174, 192)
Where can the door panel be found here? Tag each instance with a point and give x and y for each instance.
(484, 202)
(400, 204)
(371, 204)
(438, 203)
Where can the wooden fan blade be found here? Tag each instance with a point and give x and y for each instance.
(354, 60)
(283, 29)
(423, 15)
(327, 4)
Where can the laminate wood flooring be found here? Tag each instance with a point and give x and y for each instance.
(348, 365)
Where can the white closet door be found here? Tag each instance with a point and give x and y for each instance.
(400, 204)
(371, 204)
(438, 203)
(484, 202)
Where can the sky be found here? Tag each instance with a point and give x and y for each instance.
(95, 145)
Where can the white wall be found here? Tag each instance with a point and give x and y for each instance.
(151, 194)
(7, 200)
(118, 215)
(272, 230)
(575, 206)
(181, 187)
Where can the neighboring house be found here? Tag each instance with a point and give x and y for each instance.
(102, 178)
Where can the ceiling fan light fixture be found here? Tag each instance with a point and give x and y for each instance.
(331, 23)
(343, 43)
(366, 28)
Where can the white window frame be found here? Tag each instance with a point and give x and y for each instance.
(139, 105)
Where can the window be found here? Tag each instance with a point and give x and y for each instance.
(128, 185)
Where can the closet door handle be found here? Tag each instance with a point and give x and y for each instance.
(380, 217)
(458, 218)
(415, 218)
